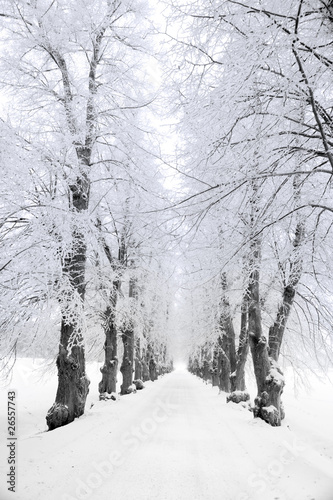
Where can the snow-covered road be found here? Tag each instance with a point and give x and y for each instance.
(176, 440)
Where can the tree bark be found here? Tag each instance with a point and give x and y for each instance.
(205, 356)
(237, 378)
(270, 380)
(109, 369)
(108, 384)
(223, 364)
(270, 383)
(73, 384)
(127, 366)
(215, 367)
(152, 369)
(138, 363)
(145, 367)
(227, 325)
(276, 331)
(128, 359)
(226, 340)
(269, 377)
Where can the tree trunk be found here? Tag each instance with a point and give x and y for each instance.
(127, 366)
(237, 378)
(215, 367)
(268, 403)
(270, 381)
(108, 384)
(276, 331)
(151, 363)
(128, 359)
(145, 367)
(73, 384)
(205, 364)
(226, 341)
(109, 369)
(163, 363)
(145, 371)
(224, 364)
(152, 369)
(195, 367)
(138, 363)
(227, 325)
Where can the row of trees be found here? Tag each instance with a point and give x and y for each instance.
(253, 93)
(78, 187)
(88, 245)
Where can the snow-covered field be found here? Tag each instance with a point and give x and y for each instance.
(176, 440)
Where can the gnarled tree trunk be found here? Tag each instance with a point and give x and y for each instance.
(223, 364)
(73, 384)
(152, 370)
(145, 367)
(270, 383)
(128, 359)
(226, 341)
(237, 378)
(269, 378)
(108, 384)
(215, 367)
(109, 369)
(276, 331)
(138, 363)
(206, 366)
(127, 366)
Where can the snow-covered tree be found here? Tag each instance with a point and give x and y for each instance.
(75, 86)
(253, 84)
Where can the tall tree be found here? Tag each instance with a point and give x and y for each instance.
(60, 64)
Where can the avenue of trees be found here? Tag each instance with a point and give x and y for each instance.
(102, 255)
(254, 96)
(78, 176)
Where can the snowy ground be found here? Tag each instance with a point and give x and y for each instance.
(176, 440)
